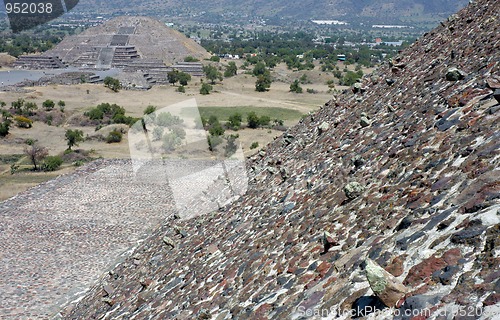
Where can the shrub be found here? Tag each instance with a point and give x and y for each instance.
(190, 59)
(157, 133)
(171, 141)
(73, 137)
(149, 109)
(253, 120)
(216, 130)
(61, 105)
(48, 105)
(213, 142)
(295, 87)
(112, 83)
(52, 163)
(309, 90)
(215, 58)
(235, 121)
(264, 120)
(4, 128)
(166, 119)
(254, 145)
(23, 122)
(231, 146)
(205, 88)
(114, 136)
(231, 70)
(181, 89)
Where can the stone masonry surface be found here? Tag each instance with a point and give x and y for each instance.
(425, 205)
(422, 201)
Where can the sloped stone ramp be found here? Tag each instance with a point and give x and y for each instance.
(56, 239)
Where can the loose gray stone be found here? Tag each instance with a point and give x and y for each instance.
(454, 74)
(383, 284)
(353, 190)
(323, 127)
(365, 122)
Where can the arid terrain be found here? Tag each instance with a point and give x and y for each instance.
(238, 91)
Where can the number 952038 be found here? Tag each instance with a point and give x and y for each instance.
(28, 8)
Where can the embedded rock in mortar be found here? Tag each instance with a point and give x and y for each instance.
(353, 190)
(385, 286)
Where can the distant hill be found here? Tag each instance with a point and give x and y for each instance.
(381, 10)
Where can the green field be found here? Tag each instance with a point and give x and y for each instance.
(223, 113)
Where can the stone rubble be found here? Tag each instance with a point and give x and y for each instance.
(429, 212)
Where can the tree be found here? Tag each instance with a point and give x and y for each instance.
(4, 128)
(52, 163)
(295, 87)
(61, 105)
(29, 108)
(259, 69)
(231, 146)
(235, 121)
(18, 105)
(231, 69)
(253, 120)
(212, 73)
(48, 104)
(205, 88)
(173, 76)
(184, 78)
(73, 137)
(263, 82)
(114, 136)
(36, 153)
(264, 120)
(112, 83)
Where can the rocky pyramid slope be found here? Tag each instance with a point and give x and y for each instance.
(125, 39)
(403, 170)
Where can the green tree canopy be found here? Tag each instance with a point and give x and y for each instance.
(73, 137)
(212, 73)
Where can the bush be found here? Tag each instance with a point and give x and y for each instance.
(253, 120)
(112, 83)
(216, 130)
(166, 119)
(295, 87)
(215, 58)
(4, 128)
(114, 136)
(254, 145)
(48, 105)
(264, 120)
(157, 133)
(213, 142)
(205, 89)
(235, 121)
(181, 89)
(231, 70)
(52, 163)
(23, 122)
(190, 59)
(149, 109)
(309, 90)
(171, 141)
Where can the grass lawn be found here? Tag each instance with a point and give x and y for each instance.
(223, 113)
